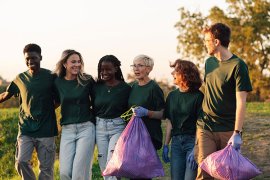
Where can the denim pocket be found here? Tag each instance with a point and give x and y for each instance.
(85, 124)
(118, 122)
(98, 121)
(68, 127)
(189, 138)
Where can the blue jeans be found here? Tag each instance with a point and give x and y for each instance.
(181, 147)
(107, 133)
(76, 151)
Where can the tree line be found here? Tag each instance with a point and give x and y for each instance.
(250, 38)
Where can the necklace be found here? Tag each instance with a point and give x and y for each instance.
(109, 88)
(111, 85)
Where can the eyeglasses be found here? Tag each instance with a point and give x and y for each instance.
(137, 66)
(207, 40)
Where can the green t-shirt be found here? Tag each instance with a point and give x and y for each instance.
(36, 97)
(111, 102)
(151, 97)
(183, 109)
(222, 80)
(75, 101)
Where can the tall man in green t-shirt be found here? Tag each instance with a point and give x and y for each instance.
(37, 121)
(227, 84)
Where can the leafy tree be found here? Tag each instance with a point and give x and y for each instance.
(190, 44)
(250, 39)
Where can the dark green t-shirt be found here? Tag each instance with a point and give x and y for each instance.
(75, 101)
(183, 109)
(36, 96)
(111, 102)
(222, 80)
(151, 97)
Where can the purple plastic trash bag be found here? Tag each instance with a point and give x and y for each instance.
(134, 155)
(229, 164)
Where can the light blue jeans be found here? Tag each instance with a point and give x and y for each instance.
(181, 147)
(76, 151)
(107, 134)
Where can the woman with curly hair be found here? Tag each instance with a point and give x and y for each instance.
(183, 106)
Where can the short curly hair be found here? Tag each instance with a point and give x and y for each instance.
(147, 60)
(32, 48)
(189, 74)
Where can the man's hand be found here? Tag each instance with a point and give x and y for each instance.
(236, 141)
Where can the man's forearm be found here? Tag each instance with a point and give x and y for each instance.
(240, 110)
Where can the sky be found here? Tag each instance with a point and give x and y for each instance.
(124, 28)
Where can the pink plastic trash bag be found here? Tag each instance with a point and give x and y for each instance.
(134, 155)
(229, 164)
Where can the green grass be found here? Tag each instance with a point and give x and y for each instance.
(8, 133)
(256, 144)
(259, 108)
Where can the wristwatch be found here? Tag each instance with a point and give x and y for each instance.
(238, 132)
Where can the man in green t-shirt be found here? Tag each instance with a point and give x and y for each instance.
(37, 121)
(226, 85)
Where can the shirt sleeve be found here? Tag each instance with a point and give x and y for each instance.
(158, 97)
(199, 105)
(13, 89)
(242, 79)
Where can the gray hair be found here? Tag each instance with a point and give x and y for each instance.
(147, 60)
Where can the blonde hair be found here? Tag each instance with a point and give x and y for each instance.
(60, 70)
(147, 60)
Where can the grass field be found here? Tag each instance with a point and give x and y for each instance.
(256, 145)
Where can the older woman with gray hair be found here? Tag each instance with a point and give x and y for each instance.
(148, 98)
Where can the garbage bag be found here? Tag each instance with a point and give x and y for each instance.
(134, 155)
(229, 164)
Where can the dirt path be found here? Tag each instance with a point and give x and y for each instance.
(256, 145)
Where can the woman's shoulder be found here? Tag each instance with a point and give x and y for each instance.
(154, 85)
(88, 77)
(197, 94)
(125, 85)
(57, 78)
